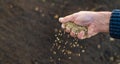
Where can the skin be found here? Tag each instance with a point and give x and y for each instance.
(95, 21)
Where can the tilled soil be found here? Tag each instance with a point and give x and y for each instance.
(31, 34)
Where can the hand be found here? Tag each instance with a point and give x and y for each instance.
(95, 21)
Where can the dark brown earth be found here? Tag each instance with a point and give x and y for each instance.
(27, 33)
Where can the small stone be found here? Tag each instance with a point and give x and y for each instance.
(98, 46)
(59, 59)
(83, 51)
(11, 6)
(53, 4)
(35, 62)
(56, 16)
(36, 8)
(56, 30)
(78, 54)
(69, 58)
(43, 0)
(50, 57)
(55, 41)
(112, 39)
(81, 46)
(63, 50)
(42, 14)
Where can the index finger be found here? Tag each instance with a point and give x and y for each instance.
(66, 18)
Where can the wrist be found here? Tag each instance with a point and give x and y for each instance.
(105, 20)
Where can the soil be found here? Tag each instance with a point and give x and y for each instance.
(28, 29)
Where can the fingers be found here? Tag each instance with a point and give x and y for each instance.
(67, 18)
(91, 30)
(72, 34)
(81, 35)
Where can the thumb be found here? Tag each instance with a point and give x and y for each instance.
(66, 18)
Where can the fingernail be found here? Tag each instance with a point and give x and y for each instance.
(63, 26)
(60, 19)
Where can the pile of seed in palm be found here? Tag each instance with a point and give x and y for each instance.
(76, 28)
(64, 47)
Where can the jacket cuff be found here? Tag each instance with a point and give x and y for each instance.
(114, 27)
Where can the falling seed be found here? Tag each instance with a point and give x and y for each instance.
(70, 43)
(53, 4)
(64, 47)
(58, 39)
(51, 49)
(51, 59)
(64, 32)
(77, 45)
(55, 40)
(43, 0)
(56, 30)
(83, 51)
(78, 54)
(42, 14)
(58, 47)
(71, 46)
(69, 57)
(64, 53)
(63, 50)
(66, 42)
(112, 58)
(81, 46)
(60, 42)
(69, 52)
(59, 34)
(74, 45)
(54, 52)
(68, 36)
(55, 35)
(53, 46)
(60, 31)
(76, 42)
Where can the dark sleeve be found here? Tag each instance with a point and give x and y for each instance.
(114, 27)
